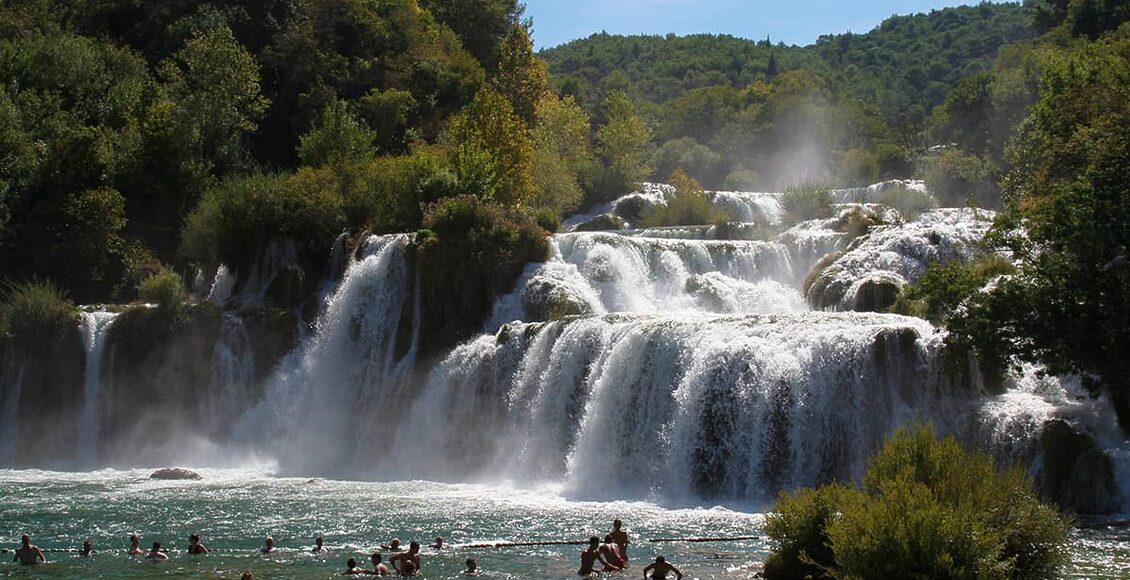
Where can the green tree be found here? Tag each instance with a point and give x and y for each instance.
(489, 131)
(214, 83)
(562, 154)
(521, 76)
(339, 139)
(622, 144)
(927, 509)
(1067, 225)
(480, 24)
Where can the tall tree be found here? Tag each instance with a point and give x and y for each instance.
(521, 77)
(562, 154)
(493, 143)
(622, 144)
(214, 83)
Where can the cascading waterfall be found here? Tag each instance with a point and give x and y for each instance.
(233, 376)
(324, 407)
(696, 406)
(95, 327)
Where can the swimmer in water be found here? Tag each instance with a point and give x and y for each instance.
(195, 547)
(379, 569)
(611, 553)
(87, 549)
(156, 554)
(351, 568)
(439, 545)
(590, 556)
(621, 538)
(393, 546)
(268, 546)
(660, 569)
(28, 553)
(319, 546)
(135, 545)
(407, 563)
(472, 567)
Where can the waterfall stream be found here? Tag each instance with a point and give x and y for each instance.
(95, 326)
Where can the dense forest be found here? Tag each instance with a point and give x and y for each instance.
(145, 143)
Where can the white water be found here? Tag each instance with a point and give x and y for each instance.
(321, 408)
(95, 327)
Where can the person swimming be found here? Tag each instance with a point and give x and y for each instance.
(660, 569)
(351, 568)
(439, 545)
(29, 553)
(195, 547)
(87, 549)
(621, 538)
(472, 567)
(156, 554)
(611, 553)
(409, 561)
(590, 556)
(393, 546)
(379, 569)
(319, 546)
(268, 546)
(134, 545)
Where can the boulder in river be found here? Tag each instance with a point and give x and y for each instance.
(175, 473)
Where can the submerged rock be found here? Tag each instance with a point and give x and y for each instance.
(175, 473)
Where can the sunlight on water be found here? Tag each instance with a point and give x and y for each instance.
(234, 510)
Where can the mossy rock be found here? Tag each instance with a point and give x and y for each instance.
(546, 300)
(602, 223)
(877, 294)
(1076, 474)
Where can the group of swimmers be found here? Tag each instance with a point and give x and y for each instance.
(612, 553)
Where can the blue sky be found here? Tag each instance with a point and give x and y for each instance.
(792, 21)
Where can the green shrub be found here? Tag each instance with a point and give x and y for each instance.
(689, 207)
(909, 202)
(234, 218)
(808, 201)
(798, 528)
(470, 252)
(36, 309)
(741, 180)
(942, 289)
(386, 194)
(166, 290)
(927, 509)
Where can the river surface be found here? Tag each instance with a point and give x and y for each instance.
(234, 510)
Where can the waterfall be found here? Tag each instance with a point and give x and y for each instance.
(725, 407)
(323, 408)
(95, 327)
(233, 376)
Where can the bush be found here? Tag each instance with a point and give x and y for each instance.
(166, 289)
(807, 201)
(927, 509)
(689, 207)
(235, 218)
(741, 180)
(942, 289)
(35, 310)
(471, 252)
(798, 527)
(909, 202)
(386, 194)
